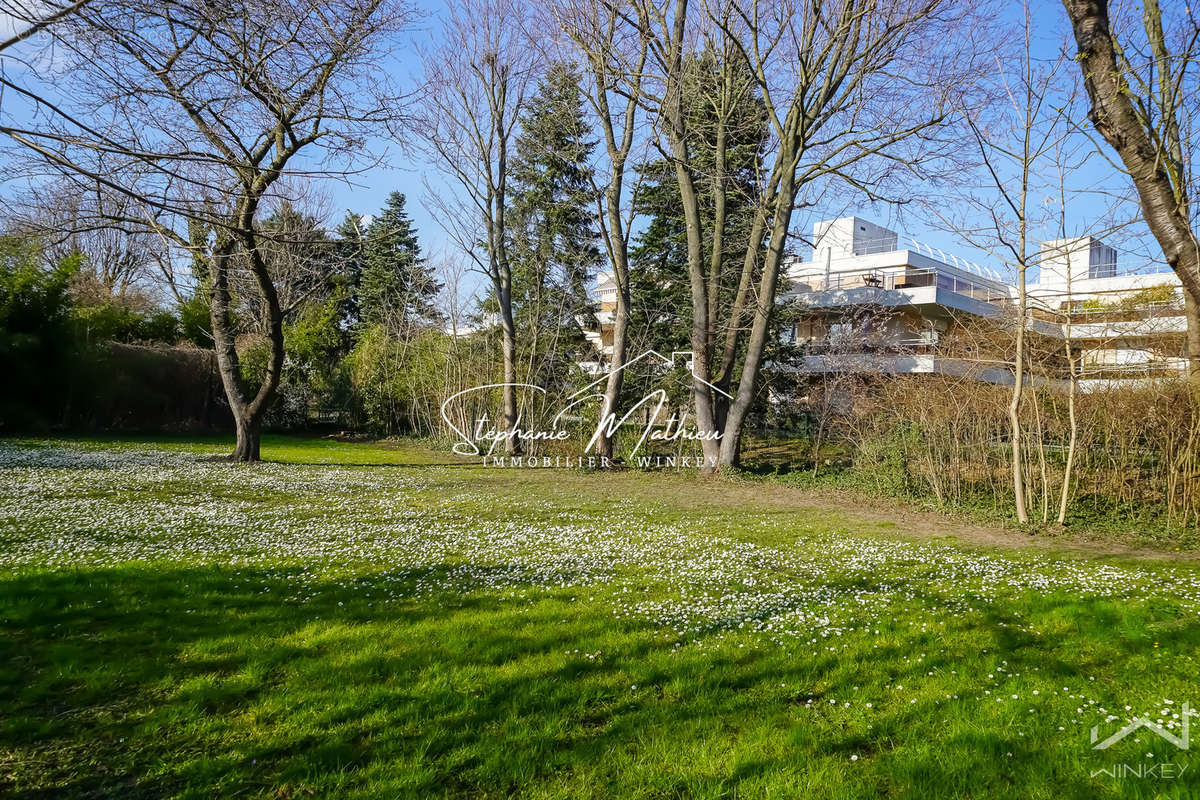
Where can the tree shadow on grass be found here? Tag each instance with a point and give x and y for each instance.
(164, 681)
(149, 682)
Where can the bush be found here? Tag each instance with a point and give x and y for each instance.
(1137, 455)
(149, 388)
(195, 324)
(398, 382)
(113, 323)
(38, 349)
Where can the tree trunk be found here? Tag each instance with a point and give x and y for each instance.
(1068, 470)
(598, 43)
(228, 365)
(612, 388)
(512, 445)
(1191, 311)
(247, 414)
(690, 200)
(619, 254)
(1014, 404)
(502, 272)
(758, 230)
(249, 433)
(730, 454)
(1150, 151)
(716, 258)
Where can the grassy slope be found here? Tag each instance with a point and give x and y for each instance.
(363, 622)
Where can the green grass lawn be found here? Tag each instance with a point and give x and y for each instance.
(374, 621)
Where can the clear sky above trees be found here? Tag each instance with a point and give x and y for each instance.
(401, 170)
(1053, 34)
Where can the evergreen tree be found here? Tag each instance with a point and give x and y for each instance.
(554, 250)
(299, 255)
(297, 252)
(349, 251)
(661, 311)
(397, 287)
(660, 316)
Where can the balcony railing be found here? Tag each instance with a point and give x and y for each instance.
(1132, 313)
(887, 280)
(1113, 313)
(918, 345)
(896, 242)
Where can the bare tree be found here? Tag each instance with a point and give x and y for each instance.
(120, 263)
(1141, 85)
(615, 58)
(32, 19)
(1011, 137)
(478, 79)
(195, 112)
(1071, 352)
(844, 84)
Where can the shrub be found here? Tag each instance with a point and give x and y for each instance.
(37, 346)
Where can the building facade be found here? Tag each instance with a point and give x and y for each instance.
(872, 300)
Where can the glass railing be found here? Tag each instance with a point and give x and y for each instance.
(887, 280)
(1115, 312)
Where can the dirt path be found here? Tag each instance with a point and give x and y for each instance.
(926, 525)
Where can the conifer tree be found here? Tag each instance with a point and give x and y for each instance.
(554, 248)
(397, 287)
(661, 309)
(350, 258)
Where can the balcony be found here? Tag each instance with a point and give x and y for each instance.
(894, 363)
(936, 289)
(1122, 318)
(906, 278)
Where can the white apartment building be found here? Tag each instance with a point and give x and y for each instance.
(876, 301)
(1129, 320)
(605, 294)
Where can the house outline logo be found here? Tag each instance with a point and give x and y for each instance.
(1182, 742)
(664, 360)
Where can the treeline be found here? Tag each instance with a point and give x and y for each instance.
(374, 342)
(559, 129)
(673, 147)
(374, 339)
(64, 305)
(77, 353)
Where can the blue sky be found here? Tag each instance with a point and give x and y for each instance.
(1086, 204)
(402, 170)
